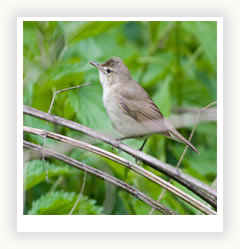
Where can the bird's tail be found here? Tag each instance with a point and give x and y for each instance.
(175, 134)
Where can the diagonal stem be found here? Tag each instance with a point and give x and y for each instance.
(80, 194)
(201, 189)
(136, 168)
(49, 112)
(113, 180)
(185, 149)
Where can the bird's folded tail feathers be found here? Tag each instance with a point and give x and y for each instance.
(175, 134)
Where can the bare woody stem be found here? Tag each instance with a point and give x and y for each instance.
(186, 147)
(80, 194)
(91, 148)
(202, 190)
(49, 111)
(64, 90)
(82, 166)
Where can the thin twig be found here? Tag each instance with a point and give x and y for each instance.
(201, 189)
(91, 148)
(113, 180)
(193, 130)
(185, 149)
(63, 90)
(56, 183)
(80, 194)
(49, 112)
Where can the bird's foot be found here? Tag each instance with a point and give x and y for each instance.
(138, 161)
(118, 143)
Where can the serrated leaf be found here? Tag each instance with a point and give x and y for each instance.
(35, 174)
(48, 67)
(61, 203)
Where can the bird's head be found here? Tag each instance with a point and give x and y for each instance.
(112, 71)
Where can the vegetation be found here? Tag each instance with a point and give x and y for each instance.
(174, 61)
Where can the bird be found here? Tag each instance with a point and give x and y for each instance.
(130, 108)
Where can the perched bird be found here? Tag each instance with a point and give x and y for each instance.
(130, 108)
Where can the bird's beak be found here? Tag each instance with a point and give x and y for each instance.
(95, 64)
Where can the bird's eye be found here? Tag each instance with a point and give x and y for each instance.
(109, 70)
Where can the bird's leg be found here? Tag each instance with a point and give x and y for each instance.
(138, 161)
(121, 139)
(144, 142)
(118, 150)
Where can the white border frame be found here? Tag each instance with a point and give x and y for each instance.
(119, 223)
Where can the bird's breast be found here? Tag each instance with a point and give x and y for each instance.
(118, 116)
(110, 101)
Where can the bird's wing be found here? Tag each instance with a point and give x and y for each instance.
(143, 109)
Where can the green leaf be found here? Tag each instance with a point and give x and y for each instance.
(153, 26)
(141, 208)
(58, 77)
(56, 56)
(127, 201)
(162, 97)
(35, 174)
(187, 208)
(117, 168)
(88, 107)
(206, 32)
(90, 29)
(61, 203)
(37, 123)
(195, 93)
(99, 49)
(30, 46)
(176, 204)
(158, 31)
(205, 165)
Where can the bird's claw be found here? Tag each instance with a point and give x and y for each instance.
(118, 143)
(138, 161)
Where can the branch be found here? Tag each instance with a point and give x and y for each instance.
(188, 116)
(202, 190)
(88, 147)
(80, 194)
(49, 111)
(64, 90)
(79, 165)
(186, 147)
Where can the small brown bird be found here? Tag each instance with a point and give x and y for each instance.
(131, 110)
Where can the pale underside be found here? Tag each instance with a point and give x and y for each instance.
(132, 111)
(131, 115)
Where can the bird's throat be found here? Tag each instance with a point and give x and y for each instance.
(103, 79)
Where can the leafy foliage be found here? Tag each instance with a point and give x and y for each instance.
(34, 173)
(61, 203)
(174, 61)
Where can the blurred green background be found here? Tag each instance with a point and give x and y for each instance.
(175, 62)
